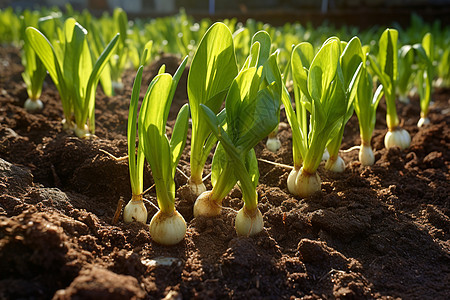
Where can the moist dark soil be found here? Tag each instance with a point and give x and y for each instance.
(372, 232)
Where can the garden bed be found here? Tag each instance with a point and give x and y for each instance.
(373, 232)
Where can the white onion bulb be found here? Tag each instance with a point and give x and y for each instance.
(397, 138)
(248, 223)
(303, 184)
(167, 229)
(135, 210)
(196, 188)
(273, 144)
(335, 165)
(204, 206)
(366, 156)
(33, 105)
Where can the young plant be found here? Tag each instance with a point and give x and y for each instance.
(244, 86)
(167, 227)
(351, 64)
(34, 71)
(252, 109)
(265, 43)
(135, 209)
(212, 70)
(385, 67)
(321, 102)
(366, 103)
(425, 76)
(73, 71)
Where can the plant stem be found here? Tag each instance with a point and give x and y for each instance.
(223, 183)
(249, 195)
(391, 112)
(335, 144)
(165, 198)
(313, 158)
(196, 160)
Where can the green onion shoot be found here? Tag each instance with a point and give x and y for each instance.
(135, 209)
(366, 103)
(351, 64)
(425, 76)
(385, 67)
(212, 70)
(321, 104)
(167, 227)
(70, 65)
(34, 71)
(252, 109)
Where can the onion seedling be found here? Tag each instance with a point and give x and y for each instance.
(252, 111)
(425, 76)
(321, 103)
(265, 43)
(135, 209)
(70, 65)
(385, 67)
(351, 64)
(167, 227)
(366, 103)
(244, 87)
(212, 70)
(34, 71)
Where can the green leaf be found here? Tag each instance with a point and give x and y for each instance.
(235, 159)
(322, 72)
(136, 176)
(265, 44)
(351, 58)
(297, 138)
(239, 103)
(47, 25)
(428, 46)
(301, 58)
(352, 89)
(251, 164)
(222, 178)
(405, 63)
(213, 68)
(387, 53)
(93, 81)
(147, 53)
(264, 118)
(44, 50)
(252, 60)
(215, 125)
(35, 71)
(152, 134)
(179, 135)
(384, 79)
(323, 69)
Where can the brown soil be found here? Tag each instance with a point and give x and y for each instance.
(373, 232)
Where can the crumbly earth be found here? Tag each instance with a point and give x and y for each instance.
(372, 232)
